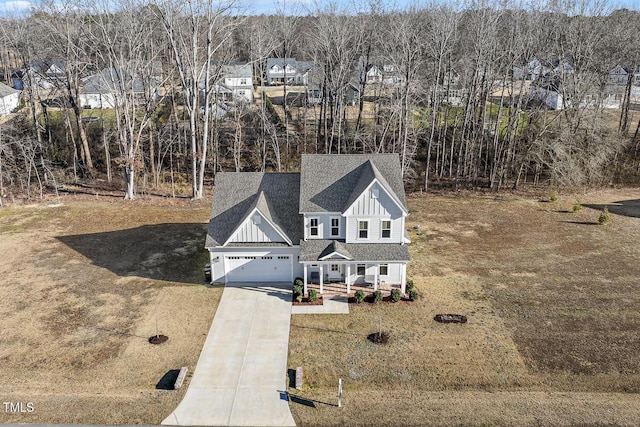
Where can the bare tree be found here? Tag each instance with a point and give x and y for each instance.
(198, 32)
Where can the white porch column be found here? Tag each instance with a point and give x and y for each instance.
(348, 278)
(403, 278)
(304, 278)
(321, 277)
(375, 277)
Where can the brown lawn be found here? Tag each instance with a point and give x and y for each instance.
(551, 297)
(83, 287)
(553, 333)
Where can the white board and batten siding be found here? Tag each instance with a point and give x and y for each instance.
(374, 202)
(374, 205)
(258, 230)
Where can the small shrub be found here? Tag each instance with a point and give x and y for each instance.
(313, 295)
(359, 296)
(395, 295)
(410, 285)
(298, 282)
(604, 219)
(554, 196)
(577, 206)
(377, 297)
(413, 294)
(299, 298)
(298, 290)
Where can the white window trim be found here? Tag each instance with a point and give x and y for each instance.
(317, 227)
(331, 226)
(366, 221)
(382, 229)
(365, 269)
(380, 269)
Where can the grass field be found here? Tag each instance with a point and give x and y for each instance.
(83, 286)
(553, 333)
(552, 300)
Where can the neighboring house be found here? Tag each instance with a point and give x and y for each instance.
(44, 75)
(350, 92)
(236, 83)
(341, 219)
(9, 99)
(386, 75)
(295, 72)
(107, 88)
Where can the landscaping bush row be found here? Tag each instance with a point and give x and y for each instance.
(396, 295)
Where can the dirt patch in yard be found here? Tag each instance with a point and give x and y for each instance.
(85, 284)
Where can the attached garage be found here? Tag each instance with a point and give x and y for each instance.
(258, 268)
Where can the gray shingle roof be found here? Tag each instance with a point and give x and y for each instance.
(237, 194)
(6, 90)
(238, 70)
(329, 182)
(281, 61)
(313, 250)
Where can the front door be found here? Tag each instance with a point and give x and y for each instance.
(335, 273)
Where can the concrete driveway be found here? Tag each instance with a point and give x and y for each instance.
(242, 369)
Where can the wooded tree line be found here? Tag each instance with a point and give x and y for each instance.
(452, 96)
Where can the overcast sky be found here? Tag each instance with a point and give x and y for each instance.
(271, 6)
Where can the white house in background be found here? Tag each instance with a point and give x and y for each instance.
(236, 83)
(9, 99)
(341, 219)
(108, 88)
(293, 71)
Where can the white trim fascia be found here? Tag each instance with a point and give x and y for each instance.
(404, 210)
(248, 218)
(326, 257)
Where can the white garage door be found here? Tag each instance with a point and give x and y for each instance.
(249, 268)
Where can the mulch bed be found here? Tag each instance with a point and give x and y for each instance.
(378, 337)
(158, 339)
(385, 300)
(305, 301)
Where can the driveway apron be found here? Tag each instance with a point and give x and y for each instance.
(240, 377)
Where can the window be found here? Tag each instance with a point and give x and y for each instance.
(335, 267)
(386, 229)
(243, 81)
(313, 226)
(375, 193)
(384, 269)
(361, 270)
(335, 226)
(363, 229)
(283, 257)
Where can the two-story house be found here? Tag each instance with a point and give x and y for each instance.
(236, 83)
(288, 70)
(341, 219)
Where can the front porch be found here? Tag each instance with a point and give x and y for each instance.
(346, 277)
(332, 289)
